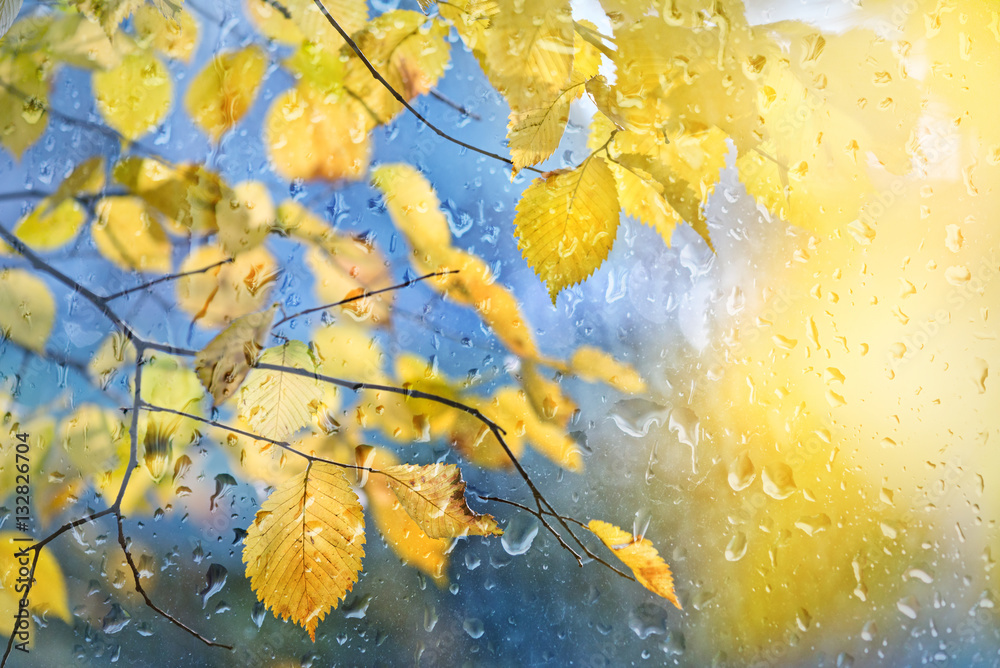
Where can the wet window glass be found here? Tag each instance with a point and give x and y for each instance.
(574, 332)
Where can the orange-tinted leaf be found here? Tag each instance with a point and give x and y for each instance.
(304, 549)
(434, 496)
(639, 555)
(224, 363)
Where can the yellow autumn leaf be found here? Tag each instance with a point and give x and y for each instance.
(548, 401)
(594, 364)
(188, 195)
(304, 549)
(513, 412)
(534, 133)
(134, 97)
(48, 593)
(47, 228)
(319, 66)
(22, 107)
(641, 197)
(8, 12)
(349, 349)
(109, 358)
(306, 22)
(566, 223)
(244, 216)
(539, 39)
(87, 178)
(471, 19)
(224, 363)
(274, 403)
(27, 309)
(175, 37)
(109, 13)
(129, 236)
(404, 536)
(639, 555)
(224, 90)
(311, 135)
(218, 296)
(407, 419)
(434, 496)
(409, 50)
(415, 210)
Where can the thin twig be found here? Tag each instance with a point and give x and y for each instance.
(366, 294)
(142, 592)
(399, 98)
(538, 514)
(163, 279)
(439, 96)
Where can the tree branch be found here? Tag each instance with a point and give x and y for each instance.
(399, 98)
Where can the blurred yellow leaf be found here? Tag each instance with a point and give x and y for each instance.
(109, 13)
(110, 357)
(188, 195)
(94, 439)
(87, 178)
(129, 236)
(409, 50)
(404, 536)
(276, 404)
(546, 397)
(220, 295)
(169, 383)
(47, 228)
(175, 37)
(566, 223)
(349, 349)
(224, 363)
(639, 555)
(307, 22)
(48, 593)
(434, 496)
(224, 90)
(23, 103)
(534, 133)
(529, 51)
(515, 414)
(244, 215)
(134, 96)
(415, 209)
(319, 66)
(27, 309)
(594, 364)
(311, 135)
(304, 549)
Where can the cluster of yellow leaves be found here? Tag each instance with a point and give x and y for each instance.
(304, 549)
(321, 127)
(415, 210)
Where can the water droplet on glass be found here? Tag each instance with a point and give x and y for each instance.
(258, 613)
(519, 534)
(223, 483)
(115, 620)
(215, 580)
(648, 619)
(741, 472)
(474, 627)
(737, 547)
(778, 481)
